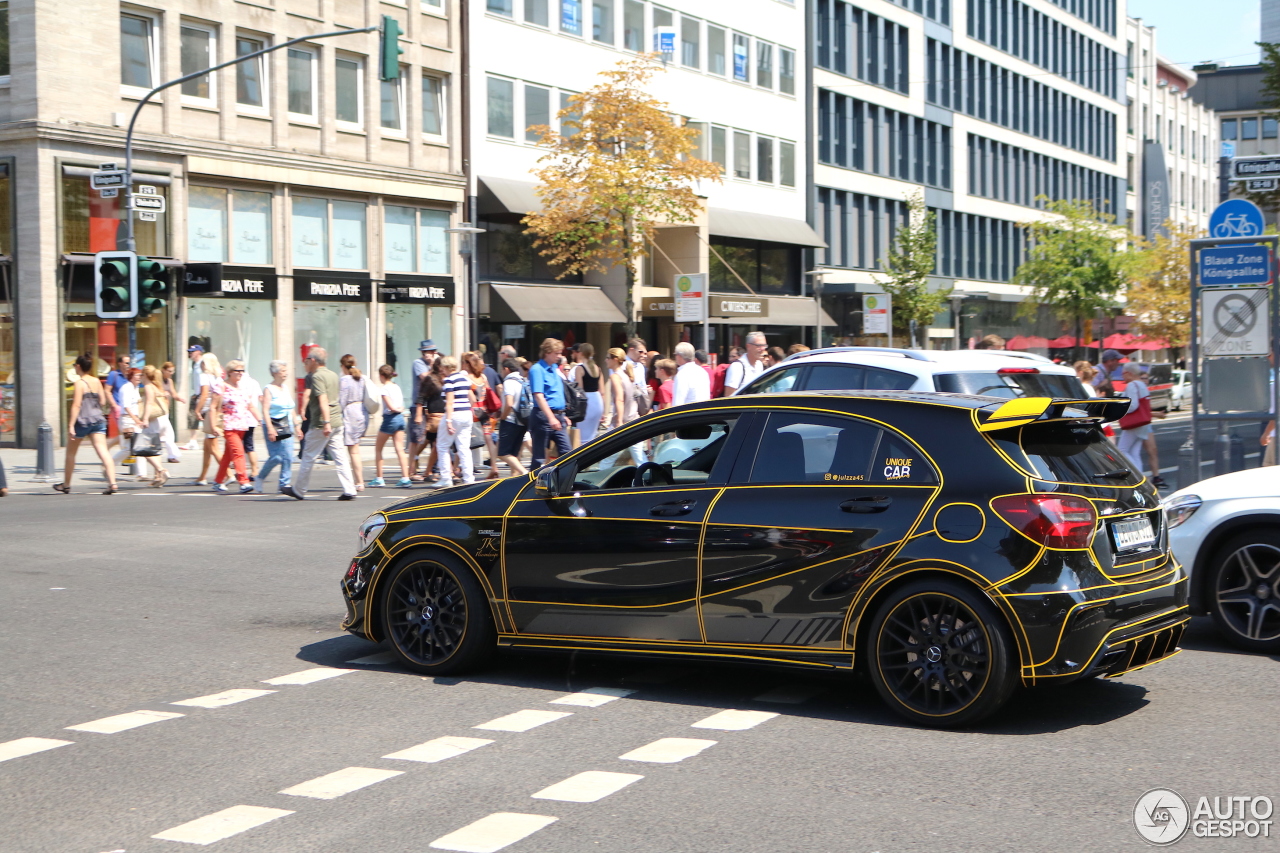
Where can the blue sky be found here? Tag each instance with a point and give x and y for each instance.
(1191, 31)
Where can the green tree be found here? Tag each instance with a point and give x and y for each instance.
(1075, 263)
(621, 168)
(909, 264)
(1159, 294)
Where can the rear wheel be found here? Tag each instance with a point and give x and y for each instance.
(940, 654)
(436, 616)
(1244, 590)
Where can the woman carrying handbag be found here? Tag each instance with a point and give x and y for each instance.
(1137, 425)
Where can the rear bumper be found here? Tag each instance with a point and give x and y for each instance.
(1149, 643)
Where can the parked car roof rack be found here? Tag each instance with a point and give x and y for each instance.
(905, 353)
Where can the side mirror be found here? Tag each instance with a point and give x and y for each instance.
(545, 484)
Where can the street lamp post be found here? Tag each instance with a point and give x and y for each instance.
(467, 250)
(817, 301)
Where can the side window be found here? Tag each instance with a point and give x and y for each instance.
(879, 379)
(805, 448)
(897, 462)
(835, 377)
(774, 383)
(682, 455)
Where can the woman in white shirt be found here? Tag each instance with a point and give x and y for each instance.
(392, 428)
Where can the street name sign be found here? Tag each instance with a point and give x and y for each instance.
(1236, 217)
(691, 298)
(1236, 322)
(1243, 168)
(148, 202)
(1261, 185)
(113, 179)
(1232, 266)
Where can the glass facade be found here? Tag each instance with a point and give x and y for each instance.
(235, 328)
(339, 327)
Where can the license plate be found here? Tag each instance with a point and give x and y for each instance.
(1133, 534)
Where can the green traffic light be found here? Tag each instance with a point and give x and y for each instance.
(153, 286)
(115, 298)
(114, 272)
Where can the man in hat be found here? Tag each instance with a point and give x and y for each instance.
(417, 437)
(1108, 371)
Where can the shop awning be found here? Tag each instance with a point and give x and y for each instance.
(759, 226)
(794, 311)
(539, 303)
(503, 195)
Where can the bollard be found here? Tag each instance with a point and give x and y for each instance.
(1187, 473)
(1237, 452)
(1221, 454)
(44, 453)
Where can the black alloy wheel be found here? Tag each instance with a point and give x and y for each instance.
(1244, 591)
(940, 654)
(435, 615)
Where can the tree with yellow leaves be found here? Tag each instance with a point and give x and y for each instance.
(1159, 292)
(620, 168)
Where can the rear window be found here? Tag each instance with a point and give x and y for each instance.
(1068, 453)
(1011, 385)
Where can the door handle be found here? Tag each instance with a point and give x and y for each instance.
(867, 504)
(673, 508)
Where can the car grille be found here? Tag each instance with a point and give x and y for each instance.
(1141, 651)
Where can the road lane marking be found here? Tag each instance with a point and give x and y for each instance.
(668, 750)
(490, 834)
(522, 721)
(587, 787)
(790, 694)
(29, 746)
(220, 825)
(226, 697)
(309, 676)
(344, 781)
(734, 721)
(439, 749)
(593, 697)
(124, 722)
(379, 658)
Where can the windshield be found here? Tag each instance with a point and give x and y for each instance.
(1011, 385)
(1068, 453)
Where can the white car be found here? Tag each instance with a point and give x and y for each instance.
(1180, 393)
(995, 373)
(1226, 533)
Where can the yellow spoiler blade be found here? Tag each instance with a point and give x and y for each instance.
(1024, 410)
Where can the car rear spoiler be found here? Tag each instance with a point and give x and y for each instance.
(1025, 410)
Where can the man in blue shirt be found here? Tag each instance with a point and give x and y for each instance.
(548, 422)
(118, 378)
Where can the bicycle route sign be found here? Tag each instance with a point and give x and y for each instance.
(1233, 266)
(1236, 217)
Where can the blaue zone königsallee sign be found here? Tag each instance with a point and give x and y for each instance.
(1227, 266)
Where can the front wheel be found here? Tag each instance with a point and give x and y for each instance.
(436, 616)
(940, 654)
(1244, 598)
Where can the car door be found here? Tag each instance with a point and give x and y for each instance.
(612, 556)
(804, 522)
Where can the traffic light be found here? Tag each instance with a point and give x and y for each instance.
(115, 285)
(389, 49)
(153, 286)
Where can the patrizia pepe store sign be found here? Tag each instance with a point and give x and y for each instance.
(332, 286)
(215, 279)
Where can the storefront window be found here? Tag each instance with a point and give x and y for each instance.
(407, 326)
(214, 213)
(315, 219)
(310, 225)
(91, 223)
(251, 226)
(506, 250)
(348, 235)
(435, 241)
(400, 239)
(235, 328)
(206, 224)
(769, 268)
(338, 327)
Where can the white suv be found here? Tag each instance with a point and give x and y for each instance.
(995, 373)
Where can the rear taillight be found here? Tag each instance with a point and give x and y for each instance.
(1054, 521)
(1018, 370)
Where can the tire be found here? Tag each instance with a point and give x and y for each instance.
(974, 672)
(436, 616)
(1243, 590)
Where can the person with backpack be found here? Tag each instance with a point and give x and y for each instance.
(513, 420)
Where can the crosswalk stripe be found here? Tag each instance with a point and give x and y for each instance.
(29, 746)
(587, 787)
(734, 721)
(226, 697)
(124, 722)
(790, 694)
(522, 721)
(220, 825)
(490, 834)
(668, 750)
(344, 781)
(593, 697)
(439, 749)
(309, 676)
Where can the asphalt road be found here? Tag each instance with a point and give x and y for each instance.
(141, 601)
(1172, 432)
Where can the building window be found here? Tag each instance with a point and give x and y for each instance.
(432, 105)
(715, 50)
(537, 111)
(769, 268)
(719, 147)
(741, 58)
(137, 51)
(499, 7)
(250, 75)
(690, 42)
(1228, 128)
(786, 71)
(91, 223)
(764, 65)
(535, 12)
(741, 154)
(602, 21)
(570, 124)
(206, 224)
(315, 220)
(349, 90)
(1269, 127)
(251, 227)
(4, 41)
(764, 159)
(633, 25)
(392, 97)
(197, 50)
(571, 17)
(501, 108)
(227, 225)
(787, 164)
(1248, 128)
(415, 240)
(302, 66)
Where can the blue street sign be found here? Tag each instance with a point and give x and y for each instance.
(1230, 266)
(1228, 150)
(1236, 217)
(664, 41)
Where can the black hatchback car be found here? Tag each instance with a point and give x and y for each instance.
(954, 546)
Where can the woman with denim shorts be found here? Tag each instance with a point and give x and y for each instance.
(392, 428)
(87, 420)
